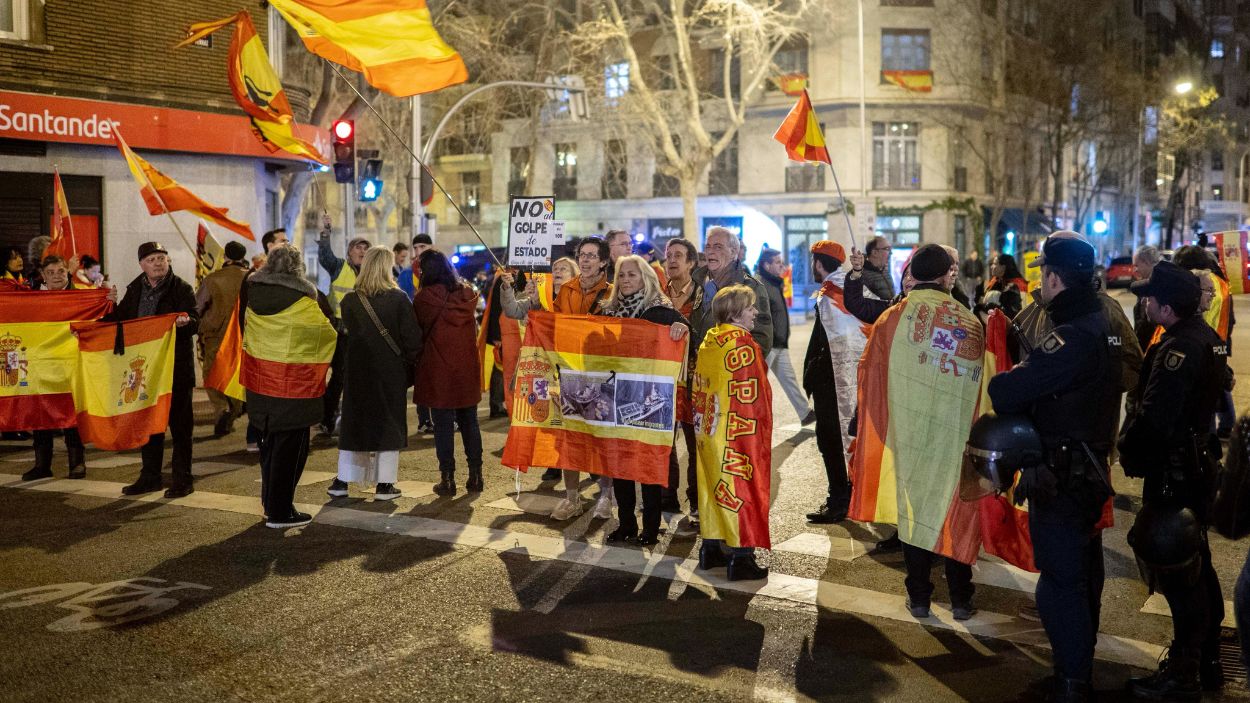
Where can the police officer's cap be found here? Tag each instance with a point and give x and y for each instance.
(1170, 285)
(1065, 252)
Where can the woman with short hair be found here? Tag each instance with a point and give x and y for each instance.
(382, 342)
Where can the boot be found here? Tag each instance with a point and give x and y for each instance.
(446, 486)
(474, 484)
(147, 483)
(77, 462)
(43, 463)
(710, 556)
(1069, 691)
(1176, 680)
(1211, 672)
(224, 425)
(742, 567)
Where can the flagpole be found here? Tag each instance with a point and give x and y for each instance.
(73, 239)
(168, 214)
(463, 217)
(847, 215)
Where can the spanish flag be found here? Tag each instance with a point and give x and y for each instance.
(913, 81)
(38, 355)
(733, 422)
(392, 42)
(596, 394)
(287, 354)
(223, 374)
(62, 244)
(800, 133)
(511, 334)
(208, 253)
(256, 86)
(1232, 250)
(125, 379)
(163, 194)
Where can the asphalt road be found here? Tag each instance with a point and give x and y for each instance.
(483, 598)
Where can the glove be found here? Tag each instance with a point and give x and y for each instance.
(1036, 482)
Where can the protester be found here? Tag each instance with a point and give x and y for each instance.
(619, 244)
(876, 274)
(679, 261)
(14, 269)
(733, 519)
(951, 283)
(383, 342)
(400, 252)
(343, 274)
(1144, 260)
(448, 377)
(34, 256)
(722, 250)
(158, 291)
(268, 241)
(55, 276)
(408, 278)
(562, 271)
(636, 294)
(651, 255)
(770, 269)
(284, 396)
(88, 274)
(972, 275)
(1006, 287)
(215, 303)
(492, 329)
(258, 261)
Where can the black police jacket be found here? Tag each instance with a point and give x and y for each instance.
(1165, 439)
(1070, 385)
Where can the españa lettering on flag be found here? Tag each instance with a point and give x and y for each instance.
(38, 355)
(1231, 247)
(595, 394)
(919, 384)
(392, 42)
(733, 422)
(287, 354)
(123, 399)
(223, 374)
(801, 135)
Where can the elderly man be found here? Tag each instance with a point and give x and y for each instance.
(1144, 260)
(876, 274)
(723, 251)
(214, 302)
(619, 244)
(342, 282)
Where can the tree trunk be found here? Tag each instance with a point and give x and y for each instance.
(689, 183)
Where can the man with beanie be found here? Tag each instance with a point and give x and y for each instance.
(1069, 386)
(214, 303)
(1165, 441)
(342, 282)
(409, 278)
(157, 291)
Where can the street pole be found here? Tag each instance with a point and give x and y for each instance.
(349, 213)
(1137, 173)
(863, 113)
(414, 202)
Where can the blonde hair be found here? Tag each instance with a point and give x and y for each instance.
(650, 284)
(730, 301)
(565, 261)
(375, 275)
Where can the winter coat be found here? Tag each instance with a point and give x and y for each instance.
(878, 281)
(176, 297)
(375, 391)
(701, 319)
(448, 373)
(777, 309)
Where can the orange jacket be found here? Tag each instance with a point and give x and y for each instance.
(572, 300)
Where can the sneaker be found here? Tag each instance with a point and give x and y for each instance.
(386, 491)
(296, 519)
(337, 489)
(253, 448)
(918, 610)
(425, 428)
(605, 507)
(567, 509)
(963, 612)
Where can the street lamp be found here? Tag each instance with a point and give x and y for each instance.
(1183, 87)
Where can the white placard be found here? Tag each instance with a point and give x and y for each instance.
(557, 232)
(529, 232)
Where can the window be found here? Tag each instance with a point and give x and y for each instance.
(805, 177)
(1022, 15)
(564, 184)
(722, 177)
(14, 23)
(615, 81)
(471, 196)
(716, 74)
(961, 179)
(902, 230)
(904, 50)
(1217, 192)
(987, 65)
(895, 155)
(1217, 161)
(801, 233)
(518, 170)
(791, 62)
(1139, 7)
(1217, 49)
(615, 170)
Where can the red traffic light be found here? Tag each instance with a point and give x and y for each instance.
(343, 129)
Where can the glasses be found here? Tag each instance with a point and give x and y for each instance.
(587, 255)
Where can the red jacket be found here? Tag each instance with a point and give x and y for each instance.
(448, 374)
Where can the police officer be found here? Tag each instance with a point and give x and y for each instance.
(1069, 387)
(1165, 441)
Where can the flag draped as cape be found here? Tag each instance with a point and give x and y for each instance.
(847, 337)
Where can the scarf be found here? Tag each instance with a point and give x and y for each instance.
(627, 305)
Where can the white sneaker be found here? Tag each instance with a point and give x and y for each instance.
(605, 508)
(567, 509)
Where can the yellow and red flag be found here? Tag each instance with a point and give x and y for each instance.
(38, 355)
(163, 194)
(62, 244)
(733, 422)
(919, 386)
(393, 42)
(1219, 315)
(223, 373)
(914, 81)
(1234, 258)
(846, 336)
(287, 354)
(801, 135)
(125, 378)
(256, 86)
(512, 333)
(597, 394)
(208, 253)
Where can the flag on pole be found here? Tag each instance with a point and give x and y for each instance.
(62, 244)
(256, 86)
(800, 133)
(392, 42)
(163, 194)
(1231, 247)
(913, 81)
(223, 374)
(209, 253)
(123, 398)
(38, 355)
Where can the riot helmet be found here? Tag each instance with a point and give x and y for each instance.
(999, 445)
(1167, 542)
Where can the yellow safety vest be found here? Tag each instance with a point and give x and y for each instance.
(343, 284)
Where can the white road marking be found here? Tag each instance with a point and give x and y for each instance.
(824, 594)
(308, 478)
(819, 544)
(1156, 604)
(208, 468)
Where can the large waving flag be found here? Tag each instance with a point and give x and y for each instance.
(62, 244)
(733, 420)
(801, 135)
(847, 337)
(223, 373)
(287, 354)
(209, 253)
(163, 194)
(392, 42)
(125, 380)
(596, 394)
(1233, 256)
(38, 355)
(256, 86)
(919, 384)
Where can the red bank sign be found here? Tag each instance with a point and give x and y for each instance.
(50, 118)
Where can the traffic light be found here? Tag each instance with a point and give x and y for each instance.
(343, 133)
(371, 180)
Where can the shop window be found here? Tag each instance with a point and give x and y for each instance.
(901, 230)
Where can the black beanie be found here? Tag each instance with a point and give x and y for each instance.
(235, 251)
(930, 262)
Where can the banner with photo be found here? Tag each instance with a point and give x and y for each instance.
(595, 394)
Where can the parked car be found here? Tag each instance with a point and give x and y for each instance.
(1120, 272)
